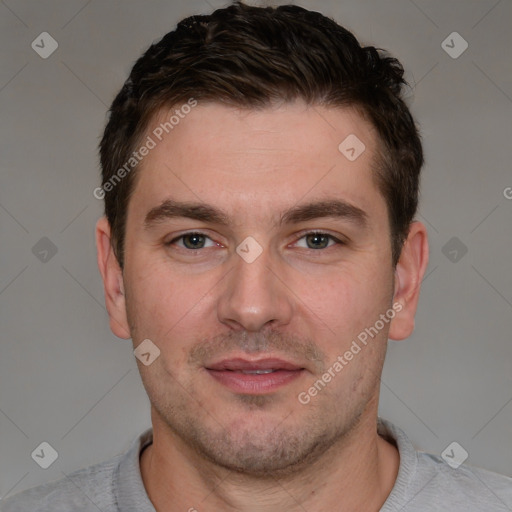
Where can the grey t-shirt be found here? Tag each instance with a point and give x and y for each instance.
(424, 483)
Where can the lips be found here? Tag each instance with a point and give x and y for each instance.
(254, 377)
(262, 365)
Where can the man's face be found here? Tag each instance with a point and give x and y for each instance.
(242, 333)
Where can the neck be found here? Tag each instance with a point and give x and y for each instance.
(355, 474)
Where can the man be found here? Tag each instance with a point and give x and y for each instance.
(260, 175)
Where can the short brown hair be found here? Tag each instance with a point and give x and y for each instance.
(252, 57)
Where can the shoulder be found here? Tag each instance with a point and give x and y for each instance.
(84, 490)
(428, 482)
(475, 488)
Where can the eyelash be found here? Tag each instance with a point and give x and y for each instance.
(304, 235)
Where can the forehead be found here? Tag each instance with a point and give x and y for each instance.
(263, 160)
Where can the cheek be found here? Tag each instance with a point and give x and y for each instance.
(347, 301)
(169, 308)
(340, 314)
(157, 298)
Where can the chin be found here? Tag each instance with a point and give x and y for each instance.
(258, 446)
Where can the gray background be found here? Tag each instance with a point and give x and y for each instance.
(65, 379)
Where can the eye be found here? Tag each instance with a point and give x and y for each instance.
(319, 240)
(313, 240)
(192, 241)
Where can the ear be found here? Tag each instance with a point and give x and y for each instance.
(409, 273)
(112, 276)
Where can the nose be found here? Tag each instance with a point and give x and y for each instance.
(255, 294)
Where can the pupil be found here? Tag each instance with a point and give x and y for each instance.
(318, 238)
(195, 239)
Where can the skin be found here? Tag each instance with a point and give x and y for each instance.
(215, 449)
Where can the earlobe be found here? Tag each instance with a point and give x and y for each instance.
(409, 273)
(112, 277)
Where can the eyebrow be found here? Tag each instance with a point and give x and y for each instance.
(329, 208)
